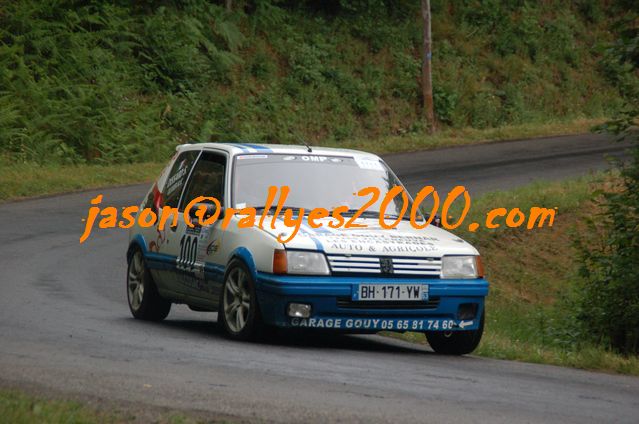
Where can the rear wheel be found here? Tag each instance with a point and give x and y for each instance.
(144, 300)
(239, 312)
(456, 342)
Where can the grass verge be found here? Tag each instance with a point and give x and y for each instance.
(26, 180)
(465, 136)
(20, 180)
(17, 407)
(532, 274)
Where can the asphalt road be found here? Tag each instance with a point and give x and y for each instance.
(501, 166)
(65, 327)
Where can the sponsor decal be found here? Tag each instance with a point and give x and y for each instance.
(241, 157)
(371, 164)
(379, 324)
(176, 180)
(213, 247)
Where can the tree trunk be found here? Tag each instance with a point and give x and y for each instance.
(427, 80)
(229, 5)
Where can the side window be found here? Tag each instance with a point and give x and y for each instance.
(207, 178)
(177, 177)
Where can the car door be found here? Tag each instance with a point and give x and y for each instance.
(198, 269)
(169, 196)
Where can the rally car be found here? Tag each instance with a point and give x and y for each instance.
(358, 280)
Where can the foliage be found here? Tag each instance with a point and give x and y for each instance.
(91, 81)
(608, 299)
(179, 51)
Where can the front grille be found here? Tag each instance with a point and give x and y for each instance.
(384, 265)
(417, 266)
(354, 264)
(348, 303)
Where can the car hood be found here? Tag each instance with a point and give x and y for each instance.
(404, 240)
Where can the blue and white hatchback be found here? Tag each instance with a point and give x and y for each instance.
(362, 279)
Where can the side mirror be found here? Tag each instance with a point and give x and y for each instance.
(209, 210)
(437, 221)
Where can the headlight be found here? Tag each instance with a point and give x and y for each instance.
(299, 262)
(462, 267)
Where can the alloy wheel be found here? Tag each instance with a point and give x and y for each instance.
(135, 283)
(237, 300)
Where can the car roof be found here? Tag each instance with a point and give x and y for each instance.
(248, 148)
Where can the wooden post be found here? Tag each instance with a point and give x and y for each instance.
(427, 80)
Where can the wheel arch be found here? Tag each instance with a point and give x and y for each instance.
(244, 255)
(137, 242)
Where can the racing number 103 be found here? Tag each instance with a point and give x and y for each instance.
(188, 252)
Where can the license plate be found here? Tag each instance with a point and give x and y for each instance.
(390, 292)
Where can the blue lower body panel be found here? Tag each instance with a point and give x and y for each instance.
(452, 305)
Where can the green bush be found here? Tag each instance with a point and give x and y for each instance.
(406, 79)
(608, 301)
(179, 51)
(445, 102)
(513, 104)
(262, 65)
(486, 112)
(307, 64)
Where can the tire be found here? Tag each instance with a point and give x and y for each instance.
(142, 295)
(455, 342)
(239, 311)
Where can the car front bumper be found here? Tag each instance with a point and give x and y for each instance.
(332, 306)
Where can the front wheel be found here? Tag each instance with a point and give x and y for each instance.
(455, 342)
(144, 300)
(239, 312)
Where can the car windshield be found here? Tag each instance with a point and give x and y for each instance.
(315, 181)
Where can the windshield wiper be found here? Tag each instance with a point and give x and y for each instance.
(273, 208)
(373, 214)
(406, 217)
(364, 214)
